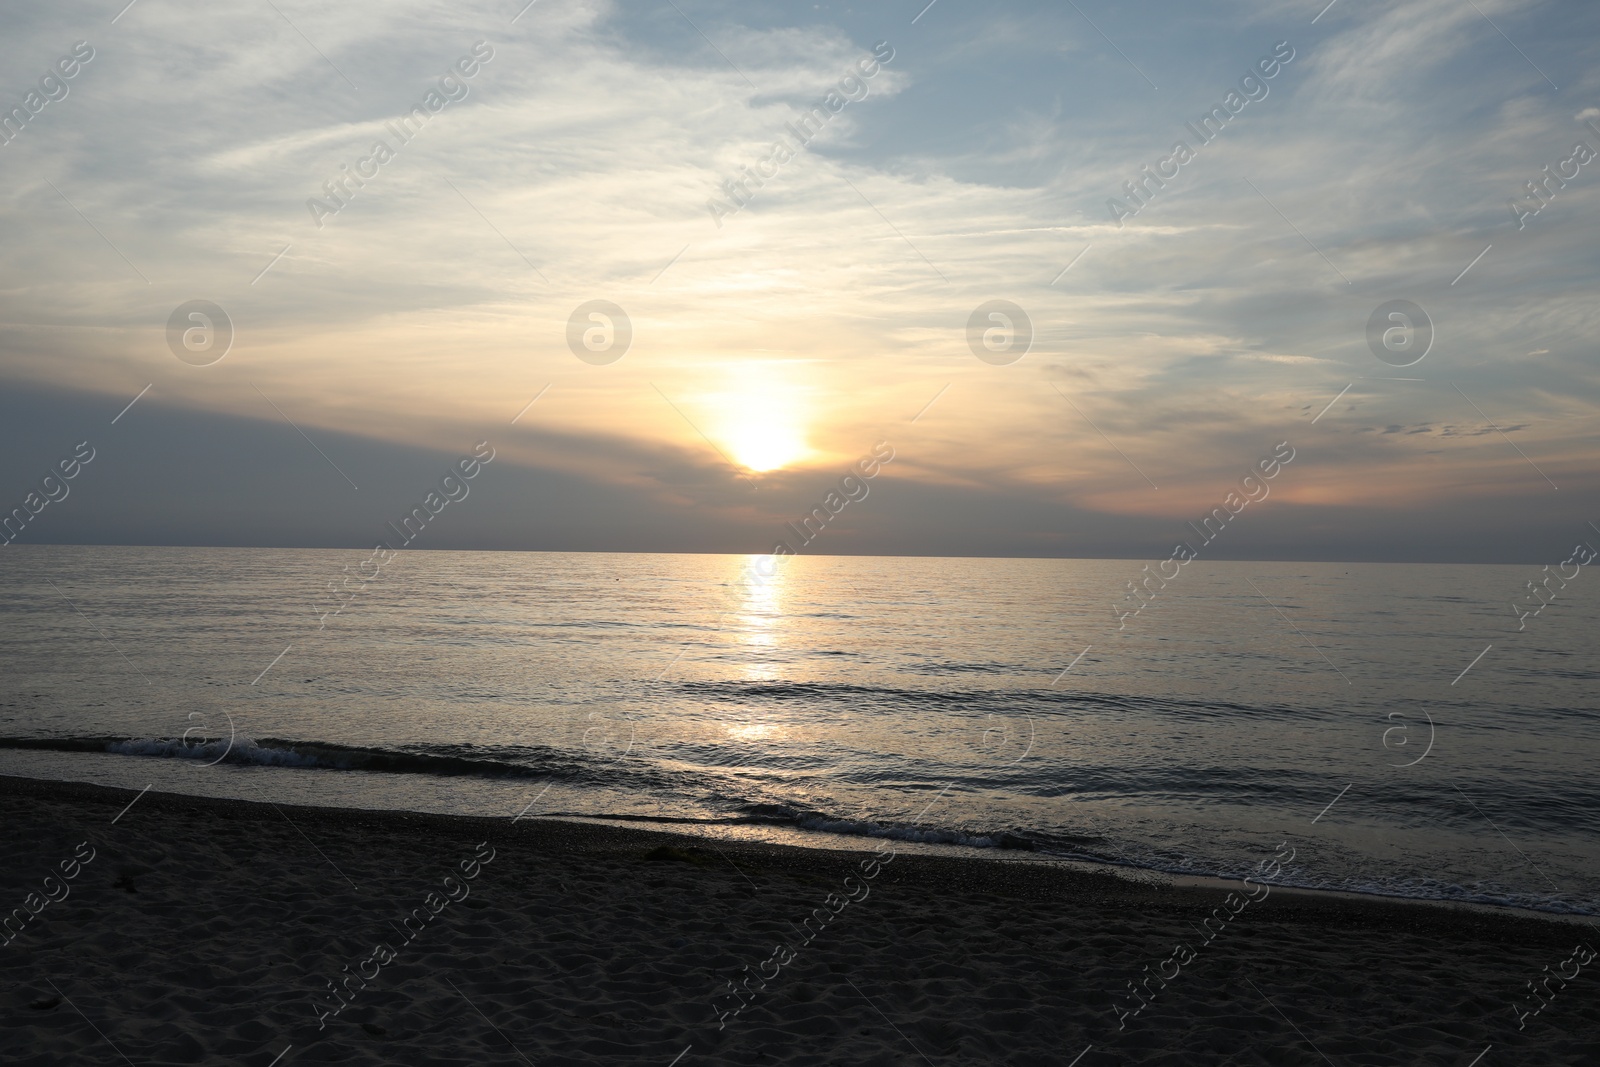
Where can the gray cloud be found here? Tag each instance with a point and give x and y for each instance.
(1199, 333)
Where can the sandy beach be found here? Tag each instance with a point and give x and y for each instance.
(203, 931)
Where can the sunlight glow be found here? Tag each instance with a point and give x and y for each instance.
(755, 731)
(763, 424)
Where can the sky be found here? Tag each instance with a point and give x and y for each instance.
(755, 341)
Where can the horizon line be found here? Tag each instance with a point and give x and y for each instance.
(827, 555)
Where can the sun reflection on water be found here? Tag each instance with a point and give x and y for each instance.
(758, 627)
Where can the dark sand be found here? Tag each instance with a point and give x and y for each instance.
(202, 930)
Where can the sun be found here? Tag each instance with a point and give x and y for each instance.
(763, 420)
(762, 446)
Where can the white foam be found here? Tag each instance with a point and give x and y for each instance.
(238, 750)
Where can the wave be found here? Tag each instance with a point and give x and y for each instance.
(973, 668)
(1078, 847)
(530, 761)
(721, 804)
(818, 823)
(821, 822)
(1041, 701)
(912, 833)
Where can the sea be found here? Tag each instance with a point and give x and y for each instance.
(1390, 722)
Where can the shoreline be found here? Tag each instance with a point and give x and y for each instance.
(1012, 847)
(605, 837)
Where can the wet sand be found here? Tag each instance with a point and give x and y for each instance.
(209, 931)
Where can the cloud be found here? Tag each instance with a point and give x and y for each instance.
(1220, 320)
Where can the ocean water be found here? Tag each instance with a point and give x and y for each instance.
(980, 705)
